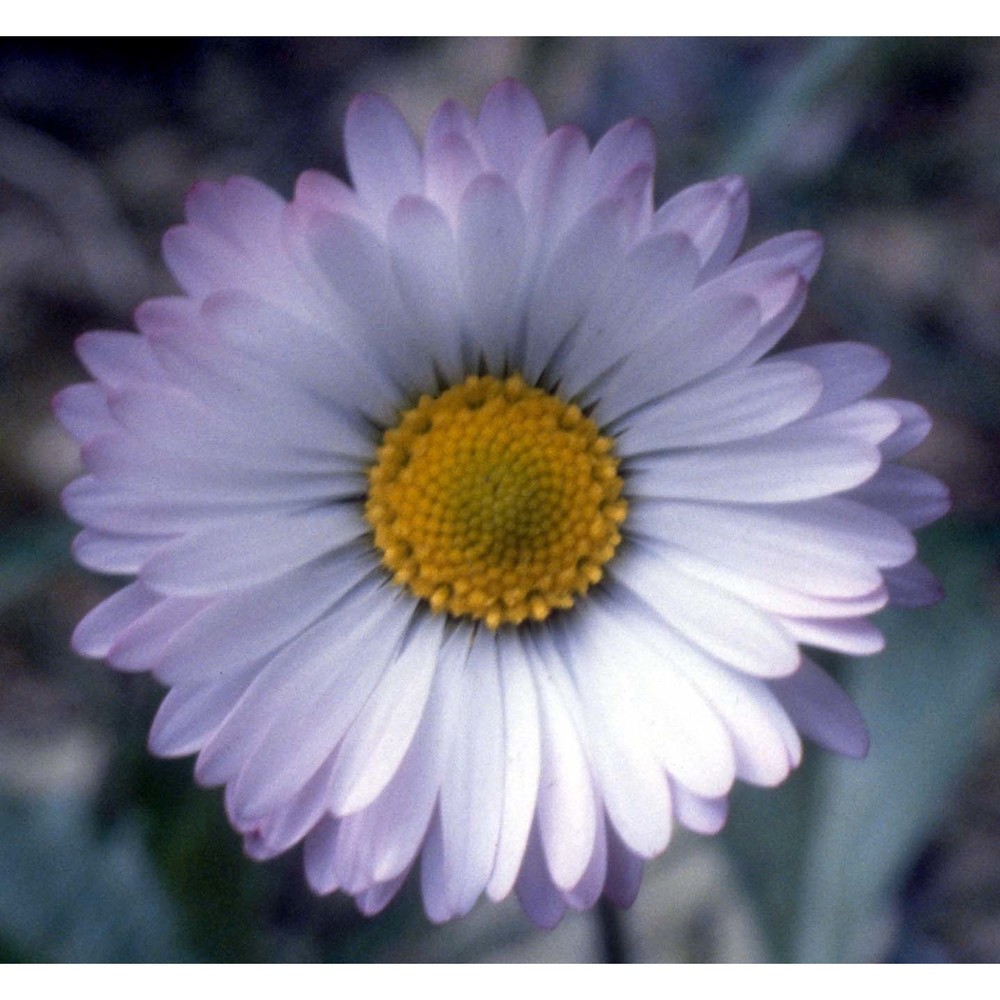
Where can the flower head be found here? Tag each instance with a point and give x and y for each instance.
(472, 522)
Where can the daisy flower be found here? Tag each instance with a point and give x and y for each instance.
(474, 527)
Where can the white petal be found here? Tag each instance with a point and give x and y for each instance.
(191, 713)
(763, 739)
(822, 711)
(697, 338)
(668, 711)
(731, 407)
(433, 881)
(628, 307)
(631, 781)
(854, 636)
(318, 191)
(571, 281)
(491, 234)
(794, 463)
(829, 547)
(319, 854)
(625, 871)
(140, 646)
(703, 815)
(375, 745)
(471, 804)
(914, 427)
(376, 899)
(392, 829)
(911, 496)
(228, 244)
(849, 371)
(588, 890)
(566, 807)
(622, 148)
(250, 624)
(288, 825)
(724, 626)
(241, 552)
(116, 359)
(522, 765)
(346, 378)
(771, 594)
(425, 262)
(552, 186)
(309, 695)
(451, 118)
(451, 163)
(802, 250)
(357, 265)
(156, 475)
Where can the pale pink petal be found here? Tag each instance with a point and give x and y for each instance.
(571, 281)
(853, 636)
(107, 552)
(511, 126)
(912, 585)
(713, 215)
(625, 872)
(96, 633)
(83, 411)
(382, 154)
(911, 496)
(697, 813)
(822, 711)
(588, 890)
(914, 427)
(537, 893)
(621, 149)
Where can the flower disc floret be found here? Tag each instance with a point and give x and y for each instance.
(496, 500)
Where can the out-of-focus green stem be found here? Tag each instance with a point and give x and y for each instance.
(824, 64)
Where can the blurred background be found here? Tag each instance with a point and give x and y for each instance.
(890, 147)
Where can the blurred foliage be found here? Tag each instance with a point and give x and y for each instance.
(823, 854)
(69, 895)
(888, 146)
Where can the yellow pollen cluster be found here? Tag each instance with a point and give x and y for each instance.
(496, 501)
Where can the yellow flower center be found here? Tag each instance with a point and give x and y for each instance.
(496, 501)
